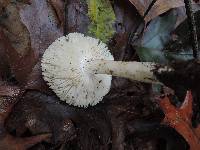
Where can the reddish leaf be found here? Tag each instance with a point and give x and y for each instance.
(180, 120)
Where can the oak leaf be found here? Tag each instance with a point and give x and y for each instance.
(180, 120)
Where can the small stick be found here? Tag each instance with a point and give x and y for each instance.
(192, 27)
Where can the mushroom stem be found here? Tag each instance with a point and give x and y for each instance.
(138, 71)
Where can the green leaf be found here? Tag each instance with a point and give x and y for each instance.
(102, 19)
(156, 36)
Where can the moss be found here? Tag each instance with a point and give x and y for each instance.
(102, 19)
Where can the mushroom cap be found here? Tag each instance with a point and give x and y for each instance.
(64, 69)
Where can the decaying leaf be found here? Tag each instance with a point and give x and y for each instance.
(159, 7)
(15, 30)
(58, 5)
(99, 127)
(180, 46)
(3, 4)
(9, 142)
(156, 35)
(15, 43)
(16, 62)
(41, 22)
(180, 120)
(8, 90)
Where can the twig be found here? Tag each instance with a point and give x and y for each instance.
(131, 35)
(192, 27)
(65, 18)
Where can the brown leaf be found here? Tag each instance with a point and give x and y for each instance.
(7, 90)
(3, 4)
(7, 141)
(15, 44)
(161, 6)
(15, 30)
(35, 80)
(41, 22)
(126, 22)
(78, 20)
(4, 66)
(21, 66)
(180, 120)
(58, 5)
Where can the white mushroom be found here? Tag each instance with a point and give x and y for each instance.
(78, 69)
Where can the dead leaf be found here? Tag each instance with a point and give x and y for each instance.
(17, 63)
(35, 80)
(15, 43)
(180, 120)
(7, 141)
(58, 5)
(41, 22)
(4, 66)
(8, 90)
(161, 6)
(3, 4)
(155, 37)
(124, 24)
(15, 30)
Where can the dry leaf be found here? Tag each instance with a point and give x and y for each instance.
(9, 142)
(8, 90)
(41, 22)
(17, 62)
(58, 5)
(3, 4)
(180, 120)
(15, 44)
(160, 6)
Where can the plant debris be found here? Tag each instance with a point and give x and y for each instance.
(32, 116)
(7, 141)
(180, 119)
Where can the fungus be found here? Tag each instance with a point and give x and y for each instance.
(79, 69)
